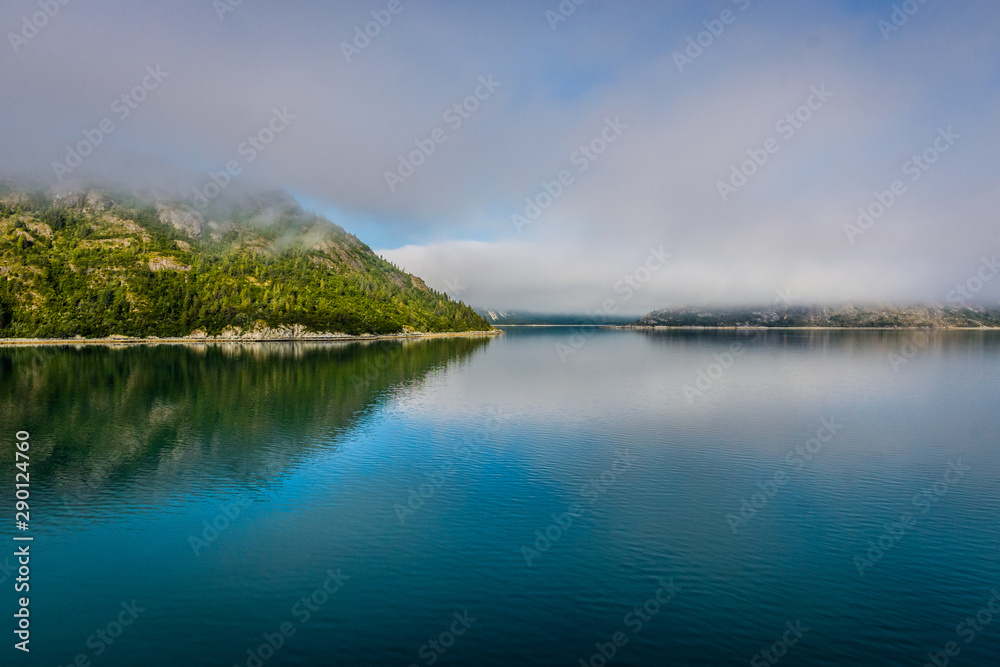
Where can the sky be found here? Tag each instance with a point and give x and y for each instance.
(552, 156)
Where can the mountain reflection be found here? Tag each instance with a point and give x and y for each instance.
(103, 419)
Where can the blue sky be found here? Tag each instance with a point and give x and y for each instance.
(661, 182)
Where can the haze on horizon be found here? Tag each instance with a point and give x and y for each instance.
(739, 137)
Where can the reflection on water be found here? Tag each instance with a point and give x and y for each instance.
(742, 474)
(239, 413)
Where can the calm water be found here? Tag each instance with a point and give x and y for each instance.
(512, 500)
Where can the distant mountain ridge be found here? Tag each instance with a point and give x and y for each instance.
(94, 263)
(819, 316)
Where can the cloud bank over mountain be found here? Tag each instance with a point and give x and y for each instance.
(528, 155)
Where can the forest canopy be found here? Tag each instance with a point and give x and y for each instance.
(96, 264)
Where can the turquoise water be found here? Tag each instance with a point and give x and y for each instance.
(542, 498)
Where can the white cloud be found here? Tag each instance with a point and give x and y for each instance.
(655, 186)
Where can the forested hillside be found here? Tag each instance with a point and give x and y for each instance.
(96, 264)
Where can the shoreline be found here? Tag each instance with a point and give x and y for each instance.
(201, 340)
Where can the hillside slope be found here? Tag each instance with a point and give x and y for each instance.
(95, 264)
(815, 316)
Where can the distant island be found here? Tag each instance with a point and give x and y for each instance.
(93, 263)
(865, 317)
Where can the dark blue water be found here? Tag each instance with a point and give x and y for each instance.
(541, 498)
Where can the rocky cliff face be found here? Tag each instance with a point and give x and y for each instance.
(188, 222)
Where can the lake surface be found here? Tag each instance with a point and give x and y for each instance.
(539, 498)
